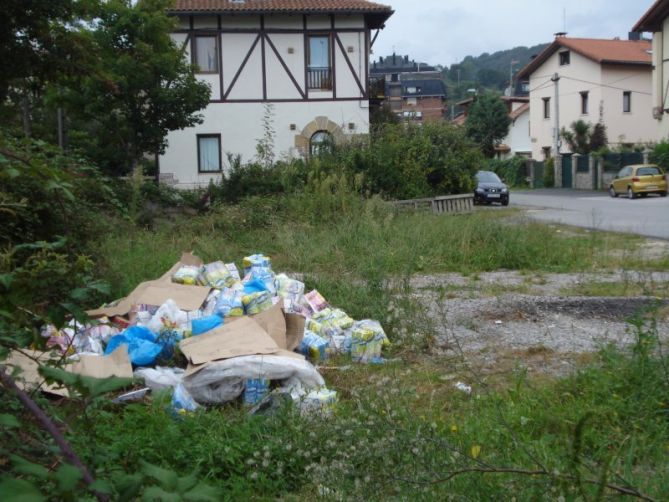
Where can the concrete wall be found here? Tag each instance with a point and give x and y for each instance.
(240, 124)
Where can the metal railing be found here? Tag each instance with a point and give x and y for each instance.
(319, 78)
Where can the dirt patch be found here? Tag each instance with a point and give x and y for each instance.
(541, 332)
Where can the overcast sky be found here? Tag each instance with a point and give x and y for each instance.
(445, 31)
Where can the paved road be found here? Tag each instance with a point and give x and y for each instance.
(645, 216)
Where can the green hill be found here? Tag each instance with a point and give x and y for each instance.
(487, 71)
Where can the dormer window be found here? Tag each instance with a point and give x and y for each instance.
(564, 58)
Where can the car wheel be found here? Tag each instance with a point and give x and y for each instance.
(663, 194)
(505, 202)
(630, 193)
(612, 191)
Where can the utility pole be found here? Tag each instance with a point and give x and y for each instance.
(556, 136)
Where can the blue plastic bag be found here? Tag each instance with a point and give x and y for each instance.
(254, 286)
(142, 346)
(204, 324)
(182, 401)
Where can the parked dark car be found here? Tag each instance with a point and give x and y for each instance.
(489, 188)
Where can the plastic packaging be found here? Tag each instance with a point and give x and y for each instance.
(168, 317)
(257, 302)
(216, 275)
(254, 286)
(160, 377)
(142, 347)
(313, 346)
(187, 274)
(204, 324)
(257, 260)
(222, 381)
(229, 303)
(329, 322)
(315, 301)
(321, 401)
(255, 389)
(367, 340)
(291, 290)
(232, 268)
(182, 401)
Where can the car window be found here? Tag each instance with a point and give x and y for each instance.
(625, 171)
(487, 177)
(647, 171)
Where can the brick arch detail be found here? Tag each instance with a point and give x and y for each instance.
(318, 124)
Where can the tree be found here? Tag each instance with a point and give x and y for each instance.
(141, 88)
(488, 122)
(583, 138)
(38, 43)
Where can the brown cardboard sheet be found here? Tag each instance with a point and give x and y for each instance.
(159, 291)
(116, 364)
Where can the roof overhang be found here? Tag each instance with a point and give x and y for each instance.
(654, 17)
(375, 18)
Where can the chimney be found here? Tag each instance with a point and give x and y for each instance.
(634, 35)
(560, 34)
(394, 62)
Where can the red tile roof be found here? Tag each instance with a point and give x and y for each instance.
(654, 17)
(278, 6)
(601, 51)
(519, 111)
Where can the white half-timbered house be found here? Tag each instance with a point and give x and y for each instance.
(309, 59)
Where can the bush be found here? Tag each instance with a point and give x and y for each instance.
(549, 173)
(513, 171)
(660, 155)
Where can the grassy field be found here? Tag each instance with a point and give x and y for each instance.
(401, 430)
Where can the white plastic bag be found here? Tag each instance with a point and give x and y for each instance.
(223, 381)
(160, 377)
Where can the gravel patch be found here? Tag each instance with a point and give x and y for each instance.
(539, 329)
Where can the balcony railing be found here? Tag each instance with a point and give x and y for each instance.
(319, 78)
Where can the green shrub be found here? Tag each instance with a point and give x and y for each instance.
(549, 173)
(513, 171)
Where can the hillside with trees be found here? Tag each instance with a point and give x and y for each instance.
(487, 71)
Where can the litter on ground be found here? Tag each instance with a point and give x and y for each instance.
(210, 336)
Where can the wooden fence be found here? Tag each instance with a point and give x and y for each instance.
(442, 204)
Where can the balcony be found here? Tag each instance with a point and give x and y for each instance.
(319, 78)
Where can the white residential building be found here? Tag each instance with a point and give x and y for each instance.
(308, 59)
(599, 80)
(656, 21)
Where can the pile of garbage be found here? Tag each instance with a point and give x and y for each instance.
(213, 336)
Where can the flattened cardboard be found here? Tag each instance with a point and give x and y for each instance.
(273, 321)
(29, 378)
(159, 291)
(294, 330)
(116, 364)
(244, 337)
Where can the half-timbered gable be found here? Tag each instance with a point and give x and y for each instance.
(309, 59)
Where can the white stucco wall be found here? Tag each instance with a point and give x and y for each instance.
(637, 126)
(570, 86)
(605, 85)
(518, 138)
(240, 127)
(660, 79)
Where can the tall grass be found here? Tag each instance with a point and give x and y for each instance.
(331, 230)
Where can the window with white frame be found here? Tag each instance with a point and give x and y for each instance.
(209, 153)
